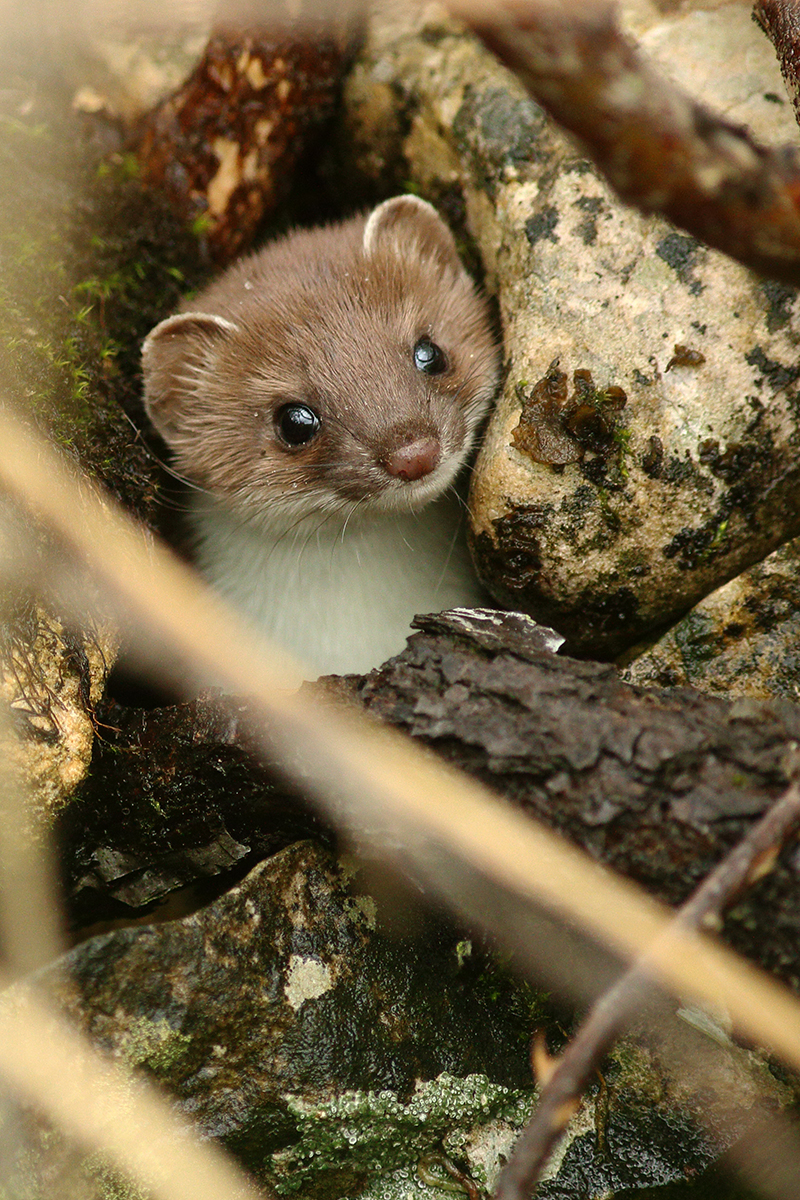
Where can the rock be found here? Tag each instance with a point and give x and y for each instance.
(175, 799)
(741, 640)
(126, 72)
(336, 1061)
(310, 1043)
(52, 679)
(697, 477)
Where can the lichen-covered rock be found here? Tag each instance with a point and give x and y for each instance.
(125, 67)
(697, 477)
(336, 1061)
(741, 640)
(285, 1024)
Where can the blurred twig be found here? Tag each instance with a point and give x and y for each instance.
(103, 1107)
(748, 861)
(660, 149)
(30, 933)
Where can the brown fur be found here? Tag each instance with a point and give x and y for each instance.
(318, 318)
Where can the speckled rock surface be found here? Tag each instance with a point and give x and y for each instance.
(741, 640)
(263, 1011)
(334, 1060)
(699, 477)
(52, 679)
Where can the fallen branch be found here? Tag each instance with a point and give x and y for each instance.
(751, 858)
(660, 150)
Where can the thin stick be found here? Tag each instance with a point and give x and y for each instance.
(30, 921)
(659, 149)
(752, 857)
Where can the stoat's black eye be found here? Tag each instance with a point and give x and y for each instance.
(428, 357)
(297, 424)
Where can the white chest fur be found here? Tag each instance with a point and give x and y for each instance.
(341, 601)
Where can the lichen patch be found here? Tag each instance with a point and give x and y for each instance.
(306, 979)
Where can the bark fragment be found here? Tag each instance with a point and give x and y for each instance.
(224, 146)
(658, 784)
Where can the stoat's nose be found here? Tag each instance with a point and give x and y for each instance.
(414, 460)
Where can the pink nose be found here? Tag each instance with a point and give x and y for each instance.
(415, 460)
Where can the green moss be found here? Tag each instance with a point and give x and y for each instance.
(377, 1135)
(91, 262)
(155, 1045)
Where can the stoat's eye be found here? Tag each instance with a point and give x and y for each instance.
(429, 357)
(297, 424)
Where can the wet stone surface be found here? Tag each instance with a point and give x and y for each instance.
(334, 1059)
(263, 1011)
(741, 640)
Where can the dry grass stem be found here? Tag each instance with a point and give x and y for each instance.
(30, 929)
(102, 1106)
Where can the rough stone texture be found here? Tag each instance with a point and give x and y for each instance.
(699, 481)
(288, 1027)
(52, 680)
(741, 640)
(330, 1057)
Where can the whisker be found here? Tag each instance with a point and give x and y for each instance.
(195, 487)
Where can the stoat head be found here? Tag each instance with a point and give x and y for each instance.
(340, 368)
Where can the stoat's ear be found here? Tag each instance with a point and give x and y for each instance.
(409, 225)
(176, 358)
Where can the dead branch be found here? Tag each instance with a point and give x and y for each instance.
(752, 857)
(659, 149)
(780, 20)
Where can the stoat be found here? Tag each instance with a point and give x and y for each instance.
(322, 395)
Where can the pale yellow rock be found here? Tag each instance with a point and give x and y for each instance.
(52, 682)
(741, 640)
(685, 496)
